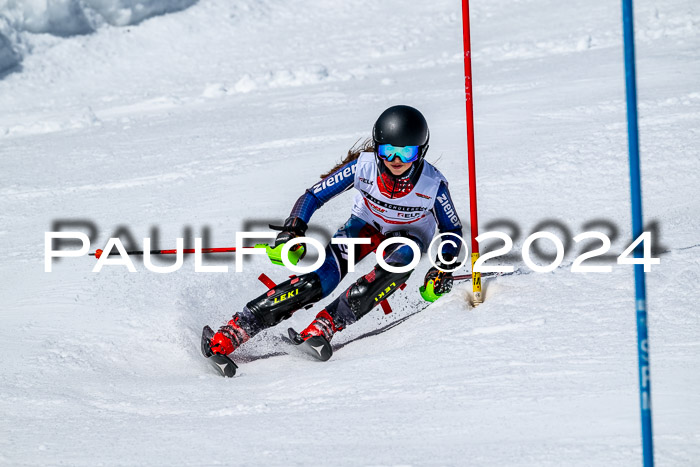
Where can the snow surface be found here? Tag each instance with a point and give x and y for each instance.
(221, 114)
(20, 19)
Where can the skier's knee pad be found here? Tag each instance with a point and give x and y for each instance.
(280, 302)
(372, 288)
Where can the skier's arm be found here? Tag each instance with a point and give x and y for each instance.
(447, 221)
(438, 280)
(296, 224)
(336, 183)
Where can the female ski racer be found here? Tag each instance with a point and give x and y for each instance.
(399, 194)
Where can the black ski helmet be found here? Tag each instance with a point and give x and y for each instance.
(402, 125)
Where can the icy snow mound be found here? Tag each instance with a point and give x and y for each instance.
(8, 57)
(68, 18)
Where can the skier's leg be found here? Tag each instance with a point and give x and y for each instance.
(362, 296)
(267, 310)
(283, 300)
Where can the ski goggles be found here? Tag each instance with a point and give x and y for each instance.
(405, 153)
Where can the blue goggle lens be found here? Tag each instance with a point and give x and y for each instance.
(405, 153)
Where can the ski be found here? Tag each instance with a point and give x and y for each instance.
(222, 363)
(316, 346)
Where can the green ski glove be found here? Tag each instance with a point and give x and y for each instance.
(275, 253)
(293, 227)
(437, 284)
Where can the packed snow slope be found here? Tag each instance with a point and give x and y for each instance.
(218, 116)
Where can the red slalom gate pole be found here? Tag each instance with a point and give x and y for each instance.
(476, 277)
(98, 253)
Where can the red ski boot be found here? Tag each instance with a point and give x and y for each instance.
(229, 337)
(323, 325)
(217, 346)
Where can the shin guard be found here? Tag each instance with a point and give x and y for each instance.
(280, 302)
(372, 288)
(368, 292)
